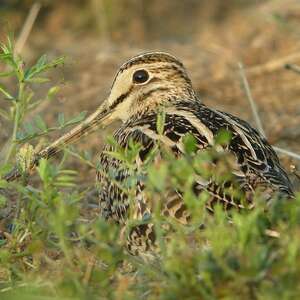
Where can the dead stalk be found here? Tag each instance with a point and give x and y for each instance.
(27, 27)
(256, 115)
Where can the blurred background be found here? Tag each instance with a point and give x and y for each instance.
(210, 37)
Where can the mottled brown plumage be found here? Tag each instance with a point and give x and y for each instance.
(142, 85)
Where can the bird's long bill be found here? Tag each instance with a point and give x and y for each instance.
(101, 117)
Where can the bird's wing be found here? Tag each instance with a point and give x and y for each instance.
(257, 162)
(255, 156)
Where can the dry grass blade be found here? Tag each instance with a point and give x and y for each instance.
(256, 115)
(274, 65)
(287, 152)
(27, 27)
(250, 99)
(293, 67)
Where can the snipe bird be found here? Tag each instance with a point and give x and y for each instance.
(140, 88)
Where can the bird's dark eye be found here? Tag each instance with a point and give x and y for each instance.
(140, 76)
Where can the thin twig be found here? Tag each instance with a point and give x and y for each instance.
(89, 270)
(27, 27)
(274, 65)
(251, 101)
(256, 115)
(99, 7)
(287, 152)
(293, 67)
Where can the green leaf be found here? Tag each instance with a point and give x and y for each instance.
(41, 66)
(87, 155)
(38, 80)
(68, 172)
(65, 178)
(6, 93)
(40, 124)
(190, 145)
(4, 114)
(4, 56)
(29, 128)
(223, 137)
(8, 59)
(41, 61)
(157, 176)
(80, 117)
(116, 155)
(6, 74)
(3, 184)
(160, 123)
(65, 185)
(43, 169)
(61, 119)
(52, 92)
(10, 43)
(7, 55)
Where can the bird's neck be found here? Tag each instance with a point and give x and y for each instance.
(164, 105)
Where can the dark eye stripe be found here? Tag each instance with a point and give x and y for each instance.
(121, 98)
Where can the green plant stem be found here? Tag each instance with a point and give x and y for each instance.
(17, 119)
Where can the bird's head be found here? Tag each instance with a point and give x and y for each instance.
(145, 82)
